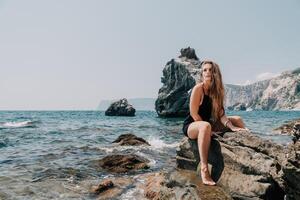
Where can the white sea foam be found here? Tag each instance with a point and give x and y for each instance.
(158, 143)
(18, 124)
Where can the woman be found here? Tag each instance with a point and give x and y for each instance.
(206, 112)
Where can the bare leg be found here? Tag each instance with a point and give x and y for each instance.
(202, 131)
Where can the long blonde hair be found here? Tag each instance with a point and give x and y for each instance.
(216, 91)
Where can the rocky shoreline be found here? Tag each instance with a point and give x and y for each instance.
(244, 166)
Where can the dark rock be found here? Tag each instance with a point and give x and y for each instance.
(130, 140)
(123, 163)
(104, 185)
(247, 166)
(296, 132)
(120, 108)
(179, 77)
(237, 107)
(188, 53)
(111, 188)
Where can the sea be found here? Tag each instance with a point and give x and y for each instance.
(50, 154)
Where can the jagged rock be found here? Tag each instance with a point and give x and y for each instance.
(120, 108)
(247, 166)
(296, 132)
(103, 186)
(123, 163)
(179, 76)
(188, 53)
(130, 140)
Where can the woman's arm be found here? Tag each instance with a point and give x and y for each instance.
(227, 123)
(195, 98)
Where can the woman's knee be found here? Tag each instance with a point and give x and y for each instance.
(205, 127)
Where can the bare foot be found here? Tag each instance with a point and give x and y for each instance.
(206, 179)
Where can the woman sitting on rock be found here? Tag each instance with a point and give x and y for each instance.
(207, 114)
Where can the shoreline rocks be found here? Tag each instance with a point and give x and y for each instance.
(247, 166)
(120, 108)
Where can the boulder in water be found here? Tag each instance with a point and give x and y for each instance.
(120, 108)
(123, 163)
(130, 140)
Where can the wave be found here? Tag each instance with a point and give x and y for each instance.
(22, 124)
(157, 143)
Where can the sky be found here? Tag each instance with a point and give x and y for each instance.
(71, 54)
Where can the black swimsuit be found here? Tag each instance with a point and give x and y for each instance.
(204, 111)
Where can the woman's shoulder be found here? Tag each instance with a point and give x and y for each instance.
(198, 88)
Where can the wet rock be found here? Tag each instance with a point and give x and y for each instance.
(123, 163)
(130, 140)
(120, 108)
(104, 185)
(291, 128)
(247, 166)
(180, 184)
(111, 188)
(179, 77)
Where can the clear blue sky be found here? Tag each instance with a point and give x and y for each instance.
(69, 54)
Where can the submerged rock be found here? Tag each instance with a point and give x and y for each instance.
(247, 166)
(179, 76)
(123, 163)
(120, 108)
(130, 140)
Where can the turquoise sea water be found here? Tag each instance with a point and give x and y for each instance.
(50, 154)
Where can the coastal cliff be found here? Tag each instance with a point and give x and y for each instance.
(279, 93)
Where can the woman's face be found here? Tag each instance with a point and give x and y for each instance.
(207, 72)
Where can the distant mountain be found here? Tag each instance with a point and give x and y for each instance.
(137, 103)
(278, 93)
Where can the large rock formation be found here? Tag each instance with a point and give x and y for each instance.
(179, 76)
(279, 93)
(120, 108)
(248, 167)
